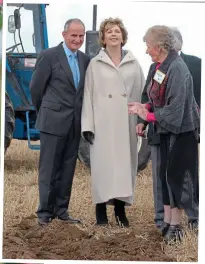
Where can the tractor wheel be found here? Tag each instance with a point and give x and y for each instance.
(9, 122)
(84, 152)
(143, 153)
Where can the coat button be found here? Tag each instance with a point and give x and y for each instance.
(124, 95)
(110, 95)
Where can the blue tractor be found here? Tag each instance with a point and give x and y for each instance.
(27, 37)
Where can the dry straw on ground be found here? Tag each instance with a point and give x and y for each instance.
(24, 239)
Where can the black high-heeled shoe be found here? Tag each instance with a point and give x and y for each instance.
(164, 228)
(174, 234)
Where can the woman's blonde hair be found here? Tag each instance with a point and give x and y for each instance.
(106, 24)
(162, 36)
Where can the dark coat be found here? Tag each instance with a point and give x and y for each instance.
(194, 65)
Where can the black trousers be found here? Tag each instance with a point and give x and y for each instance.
(57, 163)
(179, 170)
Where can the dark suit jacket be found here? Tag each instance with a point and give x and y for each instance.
(53, 93)
(194, 65)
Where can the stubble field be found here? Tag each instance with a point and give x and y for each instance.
(24, 239)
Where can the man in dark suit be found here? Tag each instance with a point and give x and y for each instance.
(57, 92)
(194, 65)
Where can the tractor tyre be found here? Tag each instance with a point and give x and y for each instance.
(9, 122)
(84, 152)
(143, 153)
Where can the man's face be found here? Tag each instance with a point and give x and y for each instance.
(74, 36)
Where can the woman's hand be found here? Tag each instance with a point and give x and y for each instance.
(133, 107)
(140, 130)
(142, 113)
(137, 104)
(139, 109)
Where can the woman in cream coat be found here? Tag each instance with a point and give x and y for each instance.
(113, 79)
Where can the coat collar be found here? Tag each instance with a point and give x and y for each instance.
(103, 57)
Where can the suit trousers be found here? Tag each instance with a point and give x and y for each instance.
(58, 156)
(157, 185)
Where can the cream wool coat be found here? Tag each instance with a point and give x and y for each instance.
(113, 155)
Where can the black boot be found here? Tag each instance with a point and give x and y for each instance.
(101, 214)
(120, 215)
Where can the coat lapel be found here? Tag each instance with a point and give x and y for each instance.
(65, 65)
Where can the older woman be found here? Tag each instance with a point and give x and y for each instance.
(173, 110)
(114, 78)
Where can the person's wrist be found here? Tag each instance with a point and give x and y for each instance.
(150, 117)
(147, 106)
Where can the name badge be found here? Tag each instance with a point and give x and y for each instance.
(159, 76)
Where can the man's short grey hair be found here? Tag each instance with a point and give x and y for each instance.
(75, 20)
(178, 38)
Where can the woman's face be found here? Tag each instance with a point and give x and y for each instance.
(154, 51)
(113, 36)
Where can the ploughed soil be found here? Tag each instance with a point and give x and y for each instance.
(64, 241)
(24, 239)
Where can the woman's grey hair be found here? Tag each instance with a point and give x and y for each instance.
(106, 24)
(178, 38)
(75, 20)
(161, 36)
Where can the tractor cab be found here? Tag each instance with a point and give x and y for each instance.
(26, 38)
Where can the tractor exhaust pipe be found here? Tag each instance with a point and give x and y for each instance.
(94, 17)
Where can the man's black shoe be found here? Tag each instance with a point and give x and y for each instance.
(69, 219)
(193, 225)
(44, 221)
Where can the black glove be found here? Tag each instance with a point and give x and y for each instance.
(89, 136)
